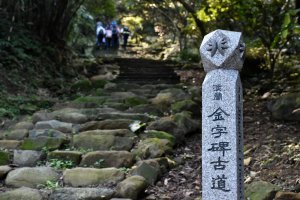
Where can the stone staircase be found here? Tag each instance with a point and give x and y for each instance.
(144, 71)
(107, 145)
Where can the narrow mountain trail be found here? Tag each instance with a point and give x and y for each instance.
(136, 137)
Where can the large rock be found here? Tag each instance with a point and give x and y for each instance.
(30, 177)
(107, 124)
(78, 177)
(42, 116)
(178, 125)
(4, 169)
(42, 142)
(16, 134)
(261, 190)
(146, 108)
(158, 134)
(149, 172)
(24, 125)
(287, 196)
(187, 105)
(22, 193)
(109, 159)
(72, 117)
(131, 187)
(47, 133)
(169, 96)
(120, 139)
(27, 158)
(120, 115)
(286, 107)
(81, 194)
(153, 148)
(56, 125)
(74, 156)
(9, 144)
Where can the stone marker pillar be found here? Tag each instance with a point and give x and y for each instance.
(222, 54)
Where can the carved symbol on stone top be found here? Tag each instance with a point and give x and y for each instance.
(213, 46)
(242, 49)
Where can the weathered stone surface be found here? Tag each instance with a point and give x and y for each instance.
(287, 196)
(120, 139)
(4, 169)
(47, 133)
(82, 194)
(187, 105)
(153, 148)
(24, 125)
(4, 158)
(119, 115)
(177, 125)
(159, 134)
(149, 172)
(17, 134)
(74, 156)
(109, 159)
(261, 190)
(146, 108)
(9, 144)
(72, 117)
(222, 49)
(40, 142)
(78, 177)
(27, 158)
(42, 116)
(107, 124)
(56, 125)
(169, 96)
(131, 187)
(286, 107)
(30, 177)
(22, 193)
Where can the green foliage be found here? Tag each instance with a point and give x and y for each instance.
(61, 164)
(50, 185)
(102, 8)
(191, 55)
(99, 163)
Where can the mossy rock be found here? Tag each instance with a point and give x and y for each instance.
(287, 107)
(153, 148)
(186, 105)
(90, 99)
(99, 83)
(261, 190)
(82, 85)
(42, 142)
(160, 135)
(4, 158)
(135, 101)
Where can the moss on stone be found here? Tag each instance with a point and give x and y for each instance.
(135, 101)
(4, 158)
(185, 105)
(160, 135)
(82, 85)
(90, 99)
(99, 83)
(42, 142)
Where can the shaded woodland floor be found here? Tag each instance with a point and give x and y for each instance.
(271, 150)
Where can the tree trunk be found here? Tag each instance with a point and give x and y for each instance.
(192, 11)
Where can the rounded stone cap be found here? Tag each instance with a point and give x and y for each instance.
(222, 49)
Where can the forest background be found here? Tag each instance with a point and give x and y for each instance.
(40, 41)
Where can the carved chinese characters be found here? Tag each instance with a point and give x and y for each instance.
(222, 131)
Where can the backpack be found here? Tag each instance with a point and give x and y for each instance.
(101, 32)
(114, 30)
